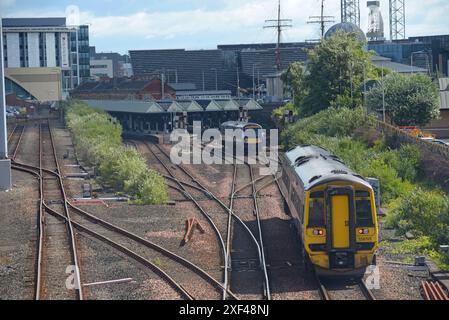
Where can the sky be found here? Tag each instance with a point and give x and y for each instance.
(122, 25)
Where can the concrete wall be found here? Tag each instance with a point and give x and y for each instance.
(102, 67)
(42, 83)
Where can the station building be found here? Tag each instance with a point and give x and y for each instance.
(44, 58)
(163, 116)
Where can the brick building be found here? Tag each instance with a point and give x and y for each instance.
(124, 89)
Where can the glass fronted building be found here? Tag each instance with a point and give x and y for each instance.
(428, 52)
(48, 43)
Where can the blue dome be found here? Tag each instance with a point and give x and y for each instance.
(346, 27)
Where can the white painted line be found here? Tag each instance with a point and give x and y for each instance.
(108, 282)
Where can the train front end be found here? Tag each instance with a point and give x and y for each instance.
(341, 231)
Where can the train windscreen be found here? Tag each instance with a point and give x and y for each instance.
(364, 216)
(317, 211)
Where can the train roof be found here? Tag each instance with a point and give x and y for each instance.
(316, 166)
(238, 124)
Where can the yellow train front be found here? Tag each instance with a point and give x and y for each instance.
(249, 136)
(333, 209)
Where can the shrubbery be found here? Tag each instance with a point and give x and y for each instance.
(333, 129)
(349, 134)
(98, 141)
(425, 213)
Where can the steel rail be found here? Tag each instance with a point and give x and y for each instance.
(229, 225)
(40, 221)
(259, 227)
(12, 133)
(324, 294)
(39, 229)
(16, 149)
(112, 227)
(71, 234)
(227, 208)
(19, 140)
(203, 212)
(366, 291)
(178, 287)
(151, 245)
(38, 172)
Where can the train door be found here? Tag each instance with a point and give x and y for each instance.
(340, 223)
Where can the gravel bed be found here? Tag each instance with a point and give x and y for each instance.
(18, 238)
(165, 225)
(102, 263)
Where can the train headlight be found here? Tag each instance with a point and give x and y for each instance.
(363, 231)
(318, 232)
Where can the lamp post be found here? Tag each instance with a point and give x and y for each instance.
(5, 163)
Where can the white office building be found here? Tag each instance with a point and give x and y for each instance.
(46, 43)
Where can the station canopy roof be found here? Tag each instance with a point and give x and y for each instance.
(171, 106)
(228, 105)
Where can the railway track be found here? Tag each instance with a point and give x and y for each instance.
(182, 186)
(336, 289)
(48, 169)
(227, 210)
(59, 249)
(94, 233)
(249, 269)
(56, 247)
(14, 140)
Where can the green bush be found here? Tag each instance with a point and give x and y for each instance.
(409, 161)
(351, 135)
(333, 122)
(98, 141)
(423, 213)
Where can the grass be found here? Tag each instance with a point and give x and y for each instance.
(421, 246)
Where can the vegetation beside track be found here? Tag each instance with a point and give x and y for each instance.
(415, 205)
(98, 142)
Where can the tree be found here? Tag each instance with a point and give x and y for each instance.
(293, 80)
(410, 100)
(337, 69)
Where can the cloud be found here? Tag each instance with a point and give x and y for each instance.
(235, 21)
(7, 3)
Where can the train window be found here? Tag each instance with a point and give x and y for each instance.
(316, 213)
(362, 194)
(364, 216)
(317, 194)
